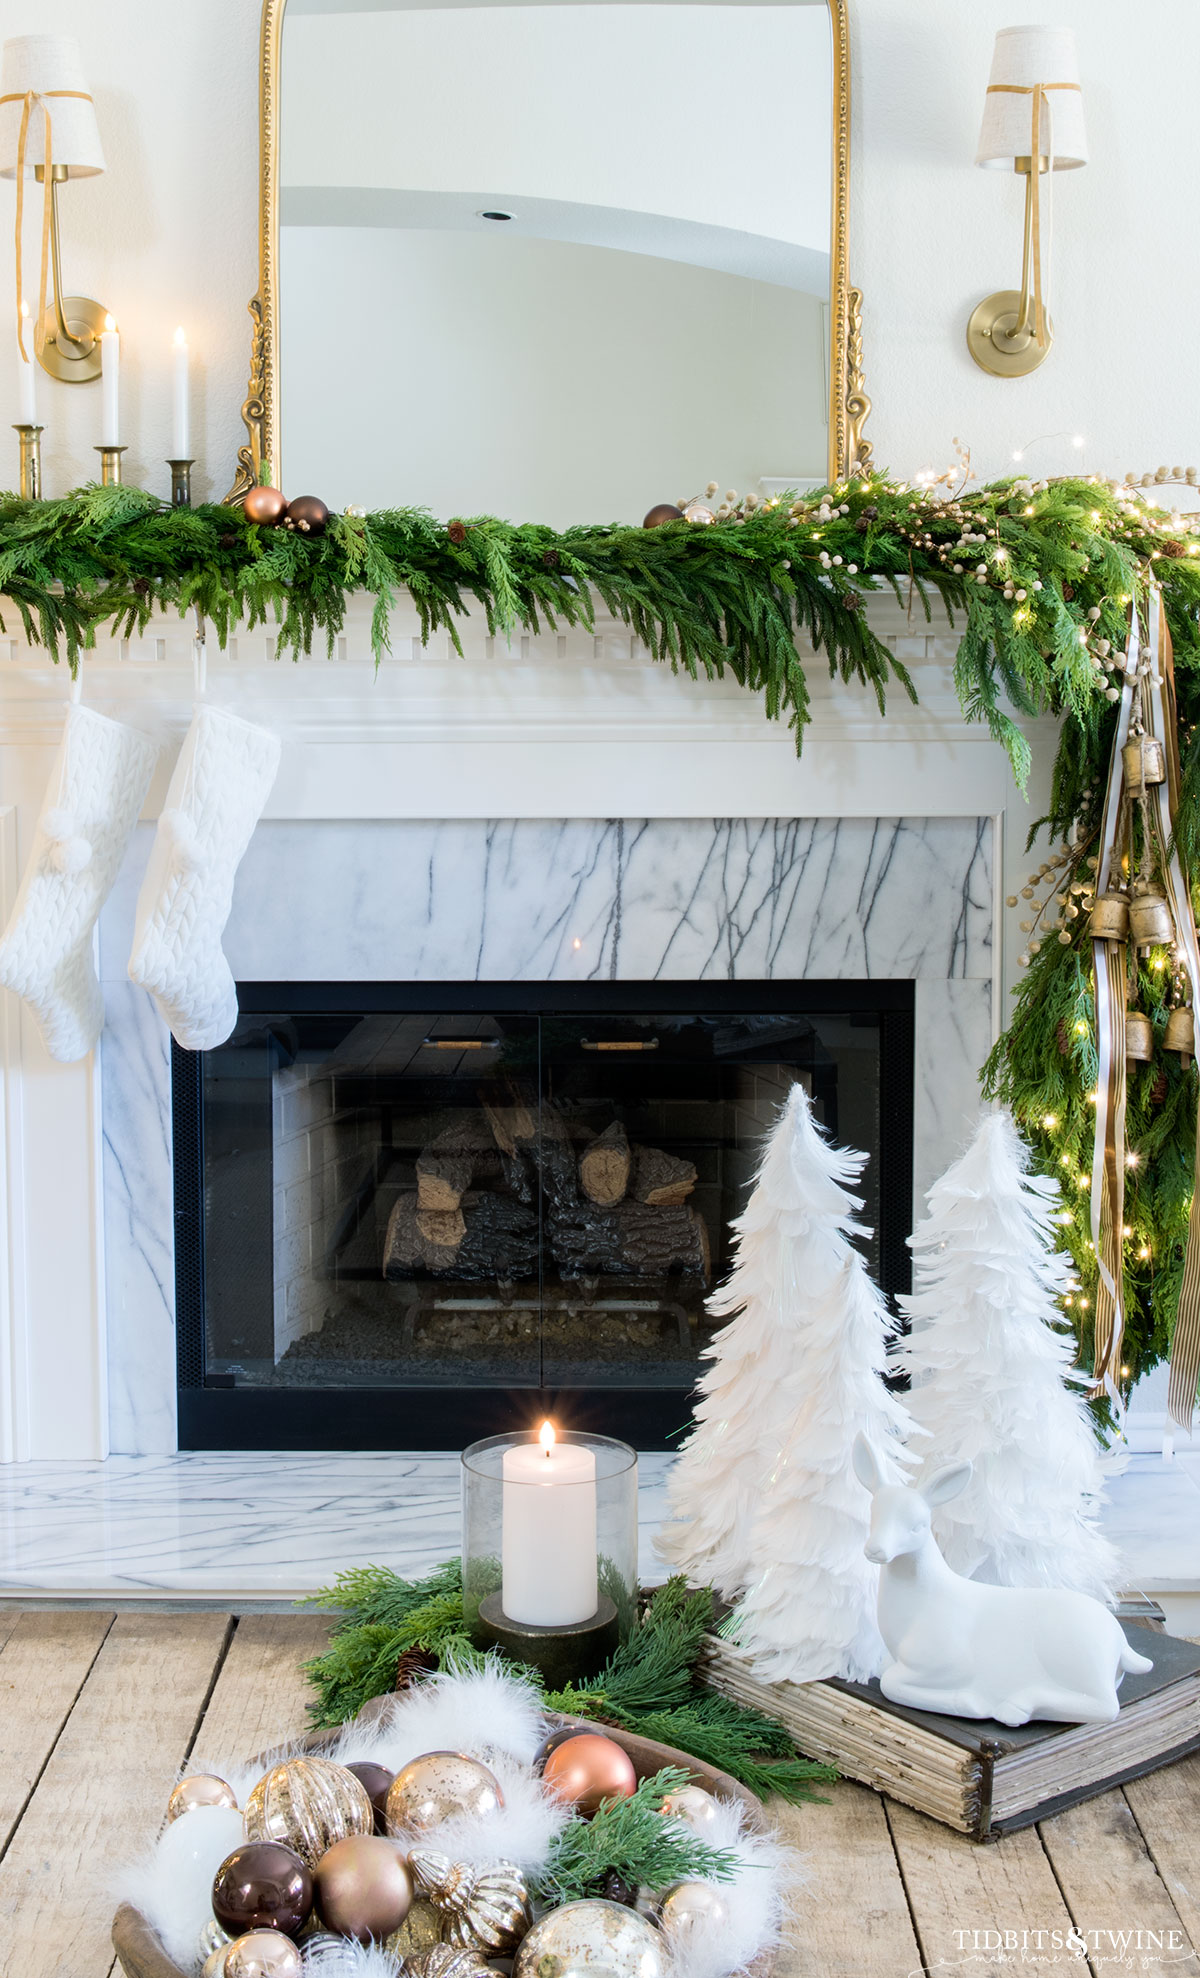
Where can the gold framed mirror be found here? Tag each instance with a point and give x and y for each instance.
(757, 291)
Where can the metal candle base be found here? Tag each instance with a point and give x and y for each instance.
(181, 482)
(110, 465)
(561, 1655)
(30, 440)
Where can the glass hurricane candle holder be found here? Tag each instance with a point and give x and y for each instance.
(550, 1547)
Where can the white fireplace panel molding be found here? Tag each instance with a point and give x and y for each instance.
(557, 809)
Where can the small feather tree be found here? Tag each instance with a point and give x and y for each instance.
(766, 1502)
(990, 1356)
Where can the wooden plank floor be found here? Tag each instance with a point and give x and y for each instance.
(99, 1710)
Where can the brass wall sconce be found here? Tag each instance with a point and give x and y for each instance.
(1032, 124)
(48, 133)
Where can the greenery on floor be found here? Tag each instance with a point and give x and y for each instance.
(651, 1685)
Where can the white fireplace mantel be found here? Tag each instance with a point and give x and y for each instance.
(577, 725)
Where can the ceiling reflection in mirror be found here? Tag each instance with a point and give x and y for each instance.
(556, 263)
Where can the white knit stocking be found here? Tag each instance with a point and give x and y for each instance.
(220, 783)
(96, 790)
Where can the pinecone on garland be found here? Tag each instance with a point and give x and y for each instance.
(457, 531)
(1158, 1091)
(413, 1664)
(1064, 1037)
(1172, 547)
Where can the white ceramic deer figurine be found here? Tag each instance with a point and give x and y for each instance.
(974, 1650)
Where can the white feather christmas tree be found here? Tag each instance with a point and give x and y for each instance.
(764, 1494)
(990, 1358)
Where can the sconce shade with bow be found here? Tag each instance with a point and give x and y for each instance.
(49, 133)
(1032, 123)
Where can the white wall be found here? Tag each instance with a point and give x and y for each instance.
(169, 232)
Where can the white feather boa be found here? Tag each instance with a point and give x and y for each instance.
(493, 1716)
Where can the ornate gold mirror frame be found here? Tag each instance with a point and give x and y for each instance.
(848, 402)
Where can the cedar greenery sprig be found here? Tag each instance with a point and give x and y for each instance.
(630, 1838)
(652, 1684)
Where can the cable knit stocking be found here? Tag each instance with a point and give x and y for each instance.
(96, 790)
(222, 780)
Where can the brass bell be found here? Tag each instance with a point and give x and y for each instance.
(1150, 920)
(1139, 1037)
(1180, 1033)
(1110, 918)
(1144, 761)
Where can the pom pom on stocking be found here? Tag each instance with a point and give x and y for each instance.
(221, 781)
(97, 789)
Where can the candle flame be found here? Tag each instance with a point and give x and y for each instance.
(180, 337)
(110, 323)
(547, 1437)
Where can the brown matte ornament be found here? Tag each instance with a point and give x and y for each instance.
(663, 511)
(262, 1954)
(437, 1786)
(376, 1779)
(1110, 918)
(308, 1804)
(1150, 920)
(486, 1907)
(262, 1886)
(202, 1789)
(363, 1887)
(1139, 1037)
(1180, 1033)
(589, 1769)
(266, 506)
(308, 514)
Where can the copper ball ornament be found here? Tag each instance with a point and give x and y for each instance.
(691, 1804)
(266, 506)
(307, 514)
(202, 1789)
(436, 1787)
(552, 1743)
(593, 1939)
(363, 1887)
(663, 511)
(588, 1769)
(262, 1954)
(308, 1804)
(262, 1886)
(376, 1780)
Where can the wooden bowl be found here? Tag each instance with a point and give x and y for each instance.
(139, 1947)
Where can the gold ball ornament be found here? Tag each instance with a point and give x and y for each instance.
(593, 1939)
(438, 1786)
(663, 511)
(690, 1910)
(308, 1804)
(420, 1930)
(691, 1804)
(262, 1954)
(266, 506)
(589, 1769)
(202, 1789)
(485, 1908)
(363, 1887)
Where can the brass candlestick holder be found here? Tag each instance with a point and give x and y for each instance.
(110, 465)
(30, 442)
(181, 482)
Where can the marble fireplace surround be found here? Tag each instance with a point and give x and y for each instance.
(558, 810)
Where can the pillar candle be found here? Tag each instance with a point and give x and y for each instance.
(26, 386)
(110, 376)
(548, 1542)
(180, 434)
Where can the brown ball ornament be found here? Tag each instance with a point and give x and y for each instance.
(588, 1769)
(203, 1789)
(663, 511)
(262, 1886)
(263, 1954)
(377, 1781)
(266, 506)
(363, 1887)
(308, 1804)
(437, 1786)
(307, 514)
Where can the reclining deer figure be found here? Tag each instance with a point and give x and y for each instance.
(974, 1650)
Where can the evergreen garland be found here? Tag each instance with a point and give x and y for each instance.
(1040, 575)
(650, 1686)
(630, 1838)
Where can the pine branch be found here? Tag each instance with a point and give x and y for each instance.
(630, 1837)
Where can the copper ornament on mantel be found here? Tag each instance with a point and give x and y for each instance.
(663, 511)
(486, 1907)
(436, 1787)
(588, 1769)
(266, 506)
(363, 1887)
(308, 1804)
(202, 1789)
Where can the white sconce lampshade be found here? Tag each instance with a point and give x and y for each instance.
(48, 67)
(1024, 59)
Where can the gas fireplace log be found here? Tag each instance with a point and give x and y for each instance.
(631, 1239)
(662, 1180)
(442, 1229)
(509, 1112)
(604, 1166)
(442, 1178)
(498, 1240)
